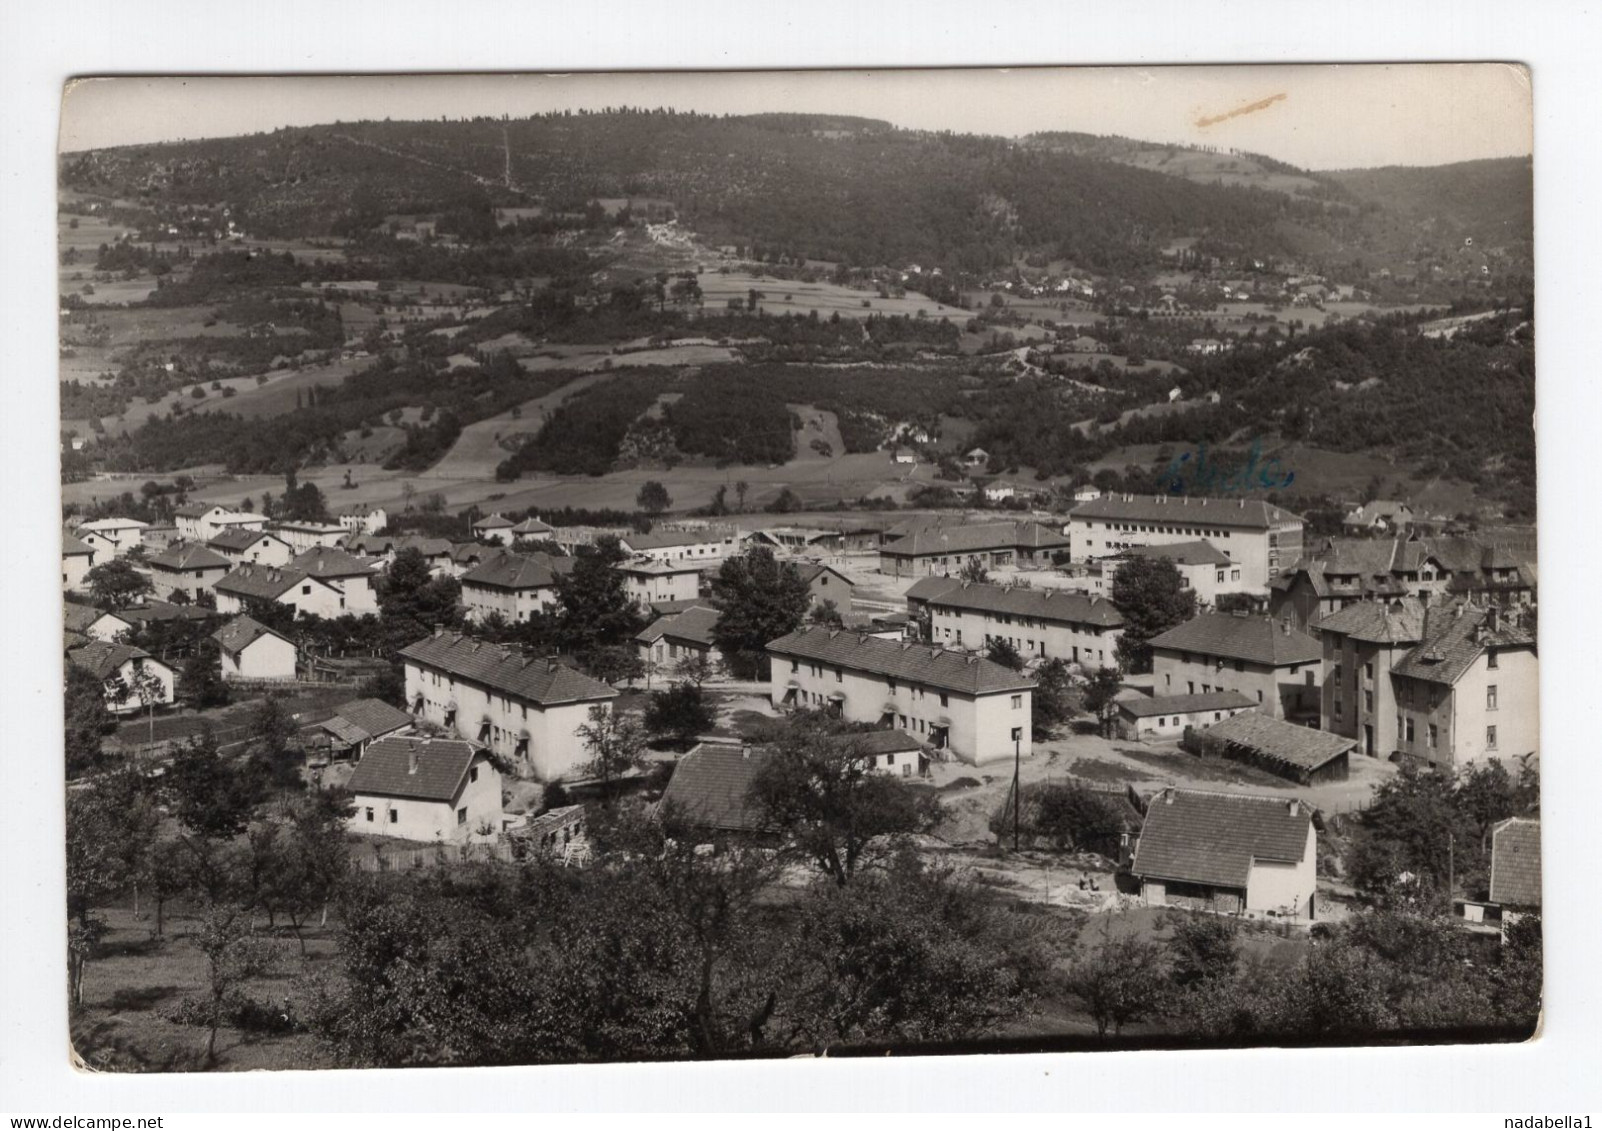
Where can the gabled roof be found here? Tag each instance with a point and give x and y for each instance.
(1251, 514)
(1214, 838)
(238, 539)
(875, 742)
(195, 510)
(104, 660)
(241, 632)
(652, 567)
(266, 582)
(1257, 640)
(915, 663)
(507, 570)
(1377, 622)
(663, 539)
(493, 522)
(1058, 605)
(78, 618)
(928, 588)
(1454, 637)
(694, 625)
(72, 547)
(1516, 862)
(810, 571)
(386, 768)
(1297, 746)
(372, 718)
(711, 787)
(331, 562)
(974, 538)
(544, 682)
(1152, 706)
(181, 556)
(1201, 552)
(100, 525)
(428, 547)
(533, 527)
(164, 611)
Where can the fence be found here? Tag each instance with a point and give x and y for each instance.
(375, 857)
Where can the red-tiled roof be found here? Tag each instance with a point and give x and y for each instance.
(711, 787)
(915, 663)
(1255, 639)
(241, 632)
(1213, 838)
(1150, 706)
(1057, 605)
(1516, 862)
(1301, 747)
(182, 556)
(693, 626)
(1252, 514)
(439, 771)
(493, 522)
(545, 682)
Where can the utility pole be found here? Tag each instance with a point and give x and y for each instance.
(1449, 872)
(1017, 795)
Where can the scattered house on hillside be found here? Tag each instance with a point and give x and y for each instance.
(947, 550)
(260, 547)
(525, 710)
(977, 457)
(364, 519)
(356, 725)
(1265, 660)
(512, 586)
(123, 669)
(93, 623)
(826, 583)
(77, 559)
(975, 707)
(711, 788)
(1207, 570)
(112, 537)
(188, 568)
(350, 576)
(495, 528)
(1296, 753)
(311, 596)
(303, 536)
(1379, 516)
(1039, 623)
(1258, 537)
(1362, 644)
(426, 789)
(682, 638)
(903, 456)
(709, 544)
(648, 582)
(1228, 853)
(251, 650)
(1142, 717)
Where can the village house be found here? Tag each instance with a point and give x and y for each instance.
(711, 788)
(1469, 689)
(303, 536)
(251, 650)
(1039, 623)
(711, 544)
(1362, 644)
(350, 576)
(1297, 753)
(1379, 516)
(512, 586)
(1207, 570)
(356, 725)
(426, 789)
(945, 550)
(1515, 886)
(94, 624)
(188, 568)
(154, 612)
(825, 583)
(260, 547)
(201, 522)
(124, 670)
(649, 582)
(496, 529)
(158, 536)
(77, 559)
(672, 642)
(532, 529)
(111, 537)
(1267, 661)
(975, 707)
(894, 753)
(307, 595)
(523, 709)
(1228, 853)
(1258, 537)
(363, 519)
(977, 457)
(1143, 717)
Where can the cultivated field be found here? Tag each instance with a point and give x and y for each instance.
(826, 298)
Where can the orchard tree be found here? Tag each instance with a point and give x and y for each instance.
(616, 745)
(1119, 979)
(593, 605)
(1101, 696)
(653, 498)
(201, 679)
(87, 719)
(116, 584)
(1054, 700)
(1151, 596)
(680, 713)
(762, 599)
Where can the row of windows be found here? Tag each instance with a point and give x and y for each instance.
(1163, 528)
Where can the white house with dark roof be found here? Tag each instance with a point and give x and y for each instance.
(1207, 570)
(353, 577)
(359, 723)
(512, 586)
(495, 528)
(1260, 538)
(524, 709)
(1143, 717)
(308, 595)
(977, 708)
(303, 536)
(95, 624)
(251, 650)
(649, 582)
(112, 537)
(1228, 853)
(188, 568)
(704, 545)
(1362, 643)
(426, 789)
(1039, 623)
(1268, 661)
(122, 668)
(531, 529)
(77, 559)
(363, 519)
(201, 522)
(825, 583)
(257, 547)
(680, 638)
(938, 548)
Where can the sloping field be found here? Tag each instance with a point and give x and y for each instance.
(477, 451)
(826, 298)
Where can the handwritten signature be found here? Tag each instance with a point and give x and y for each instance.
(1193, 473)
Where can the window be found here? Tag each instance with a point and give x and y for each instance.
(1162, 721)
(472, 775)
(394, 816)
(369, 813)
(1234, 575)
(889, 759)
(1339, 712)
(1368, 702)
(839, 675)
(1490, 660)
(1368, 670)
(1190, 687)
(1410, 732)
(1017, 702)
(1434, 736)
(305, 589)
(1490, 738)
(945, 700)
(1336, 673)
(1220, 577)
(1259, 696)
(461, 816)
(1490, 697)
(1401, 729)
(892, 684)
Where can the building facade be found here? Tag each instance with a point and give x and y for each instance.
(1261, 539)
(1266, 661)
(1039, 623)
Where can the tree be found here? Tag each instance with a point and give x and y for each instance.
(1054, 698)
(275, 750)
(234, 956)
(111, 828)
(143, 686)
(973, 570)
(201, 679)
(696, 668)
(1151, 596)
(1417, 831)
(116, 584)
(1119, 980)
(1002, 651)
(819, 788)
(208, 794)
(613, 663)
(787, 502)
(653, 498)
(680, 713)
(87, 719)
(411, 601)
(741, 489)
(616, 745)
(593, 605)
(762, 599)
(1203, 948)
(1101, 695)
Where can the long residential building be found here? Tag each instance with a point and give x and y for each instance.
(1265, 660)
(525, 710)
(512, 586)
(258, 547)
(308, 595)
(1039, 623)
(709, 544)
(944, 550)
(188, 568)
(977, 708)
(1260, 538)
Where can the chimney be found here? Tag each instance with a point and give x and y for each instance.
(745, 750)
(439, 628)
(550, 663)
(1295, 807)
(1493, 619)
(1168, 796)
(411, 759)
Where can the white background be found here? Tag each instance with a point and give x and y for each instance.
(43, 44)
